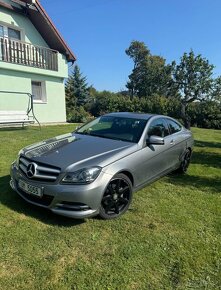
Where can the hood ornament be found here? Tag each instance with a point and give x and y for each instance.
(31, 170)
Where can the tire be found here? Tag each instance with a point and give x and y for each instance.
(117, 197)
(185, 163)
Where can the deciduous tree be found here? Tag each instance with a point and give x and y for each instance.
(192, 77)
(150, 74)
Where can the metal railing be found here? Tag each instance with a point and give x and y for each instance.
(18, 52)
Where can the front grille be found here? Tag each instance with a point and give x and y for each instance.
(38, 171)
(45, 200)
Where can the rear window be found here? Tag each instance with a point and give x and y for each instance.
(174, 127)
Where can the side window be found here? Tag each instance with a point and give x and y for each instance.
(158, 128)
(173, 126)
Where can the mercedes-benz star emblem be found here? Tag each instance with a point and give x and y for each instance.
(31, 170)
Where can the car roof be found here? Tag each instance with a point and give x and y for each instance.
(131, 115)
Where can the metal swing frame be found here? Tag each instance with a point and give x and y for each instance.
(30, 109)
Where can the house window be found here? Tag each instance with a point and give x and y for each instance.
(9, 32)
(1, 31)
(38, 91)
(13, 33)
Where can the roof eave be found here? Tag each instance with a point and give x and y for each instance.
(69, 54)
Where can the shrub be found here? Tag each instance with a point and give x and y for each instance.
(78, 115)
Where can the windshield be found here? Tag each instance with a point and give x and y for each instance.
(118, 128)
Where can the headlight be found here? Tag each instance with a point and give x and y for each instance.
(83, 176)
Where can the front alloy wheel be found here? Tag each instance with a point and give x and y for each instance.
(117, 197)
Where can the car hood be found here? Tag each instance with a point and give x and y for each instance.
(75, 151)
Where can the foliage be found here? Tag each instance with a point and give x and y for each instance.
(150, 74)
(216, 93)
(105, 102)
(78, 115)
(77, 96)
(189, 81)
(206, 114)
(186, 91)
(192, 77)
(169, 239)
(76, 90)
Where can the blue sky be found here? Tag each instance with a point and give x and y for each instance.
(99, 31)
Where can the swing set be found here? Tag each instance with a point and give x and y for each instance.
(14, 118)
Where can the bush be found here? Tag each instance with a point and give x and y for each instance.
(78, 115)
(205, 114)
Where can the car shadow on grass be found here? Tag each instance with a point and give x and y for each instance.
(213, 185)
(13, 201)
(209, 159)
(203, 144)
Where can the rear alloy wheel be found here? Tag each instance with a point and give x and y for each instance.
(185, 163)
(117, 197)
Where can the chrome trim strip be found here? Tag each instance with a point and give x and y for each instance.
(25, 162)
(23, 168)
(47, 169)
(45, 177)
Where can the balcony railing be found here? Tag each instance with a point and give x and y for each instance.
(23, 53)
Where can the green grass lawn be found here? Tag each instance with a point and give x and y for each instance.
(169, 239)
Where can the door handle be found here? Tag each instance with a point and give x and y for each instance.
(172, 142)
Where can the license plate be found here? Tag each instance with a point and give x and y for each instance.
(30, 189)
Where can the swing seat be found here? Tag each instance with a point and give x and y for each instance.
(15, 118)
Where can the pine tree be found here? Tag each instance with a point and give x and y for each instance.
(76, 90)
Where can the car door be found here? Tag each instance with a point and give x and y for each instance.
(150, 160)
(177, 143)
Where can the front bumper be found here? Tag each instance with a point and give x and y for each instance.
(75, 201)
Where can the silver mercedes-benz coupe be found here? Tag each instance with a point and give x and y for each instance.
(96, 169)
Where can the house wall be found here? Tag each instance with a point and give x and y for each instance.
(17, 77)
(51, 111)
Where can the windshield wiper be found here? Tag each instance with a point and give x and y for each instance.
(81, 133)
(97, 135)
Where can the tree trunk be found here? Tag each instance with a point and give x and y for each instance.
(184, 116)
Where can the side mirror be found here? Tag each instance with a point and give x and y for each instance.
(155, 140)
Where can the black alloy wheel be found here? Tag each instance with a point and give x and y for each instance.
(117, 197)
(185, 163)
